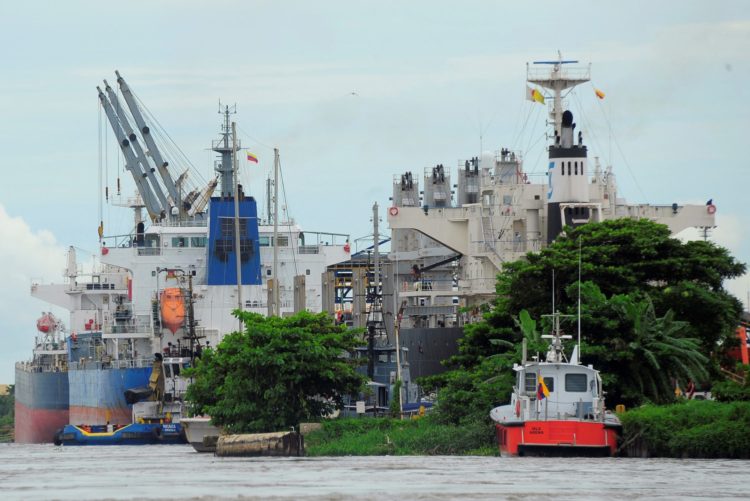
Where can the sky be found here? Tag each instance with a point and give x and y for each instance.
(353, 93)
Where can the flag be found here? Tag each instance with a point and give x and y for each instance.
(600, 94)
(251, 157)
(534, 95)
(541, 390)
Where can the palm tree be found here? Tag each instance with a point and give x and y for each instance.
(659, 354)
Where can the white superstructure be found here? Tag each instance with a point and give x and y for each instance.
(447, 255)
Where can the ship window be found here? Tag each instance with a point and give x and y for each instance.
(568, 168)
(197, 241)
(176, 369)
(575, 167)
(179, 242)
(227, 226)
(575, 383)
(550, 382)
(530, 384)
(167, 370)
(264, 241)
(562, 169)
(282, 241)
(582, 168)
(307, 271)
(383, 357)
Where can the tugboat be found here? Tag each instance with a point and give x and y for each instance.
(557, 407)
(157, 411)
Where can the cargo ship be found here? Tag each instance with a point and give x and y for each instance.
(169, 283)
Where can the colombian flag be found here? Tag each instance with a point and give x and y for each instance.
(541, 391)
(251, 157)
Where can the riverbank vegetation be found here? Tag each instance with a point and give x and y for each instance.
(7, 404)
(387, 436)
(695, 429)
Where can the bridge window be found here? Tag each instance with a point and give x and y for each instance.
(550, 382)
(179, 242)
(264, 241)
(198, 241)
(282, 241)
(530, 383)
(575, 383)
(227, 226)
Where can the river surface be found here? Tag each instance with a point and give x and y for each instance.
(42, 472)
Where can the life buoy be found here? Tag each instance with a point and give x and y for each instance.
(518, 408)
(393, 211)
(711, 209)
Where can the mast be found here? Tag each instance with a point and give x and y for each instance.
(557, 80)
(223, 147)
(237, 220)
(376, 249)
(153, 150)
(579, 299)
(277, 307)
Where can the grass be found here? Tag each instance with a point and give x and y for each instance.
(386, 436)
(695, 429)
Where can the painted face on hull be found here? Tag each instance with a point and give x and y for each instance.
(172, 308)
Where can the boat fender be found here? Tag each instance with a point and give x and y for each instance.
(711, 209)
(393, 211)
(518, 408)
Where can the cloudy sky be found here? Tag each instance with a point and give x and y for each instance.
(353, 92)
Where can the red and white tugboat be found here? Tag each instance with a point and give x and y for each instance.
(557, 408)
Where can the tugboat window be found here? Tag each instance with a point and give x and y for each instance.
(530, 385)
(550, 382)
(575, 383)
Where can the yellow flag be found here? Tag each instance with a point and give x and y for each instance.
(534, 95)
(599, 93)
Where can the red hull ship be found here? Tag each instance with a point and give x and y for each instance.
(557, 408)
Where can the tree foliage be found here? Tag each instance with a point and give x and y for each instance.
(653, 310)
(275, 374)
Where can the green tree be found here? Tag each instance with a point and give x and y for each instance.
(277, 373)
